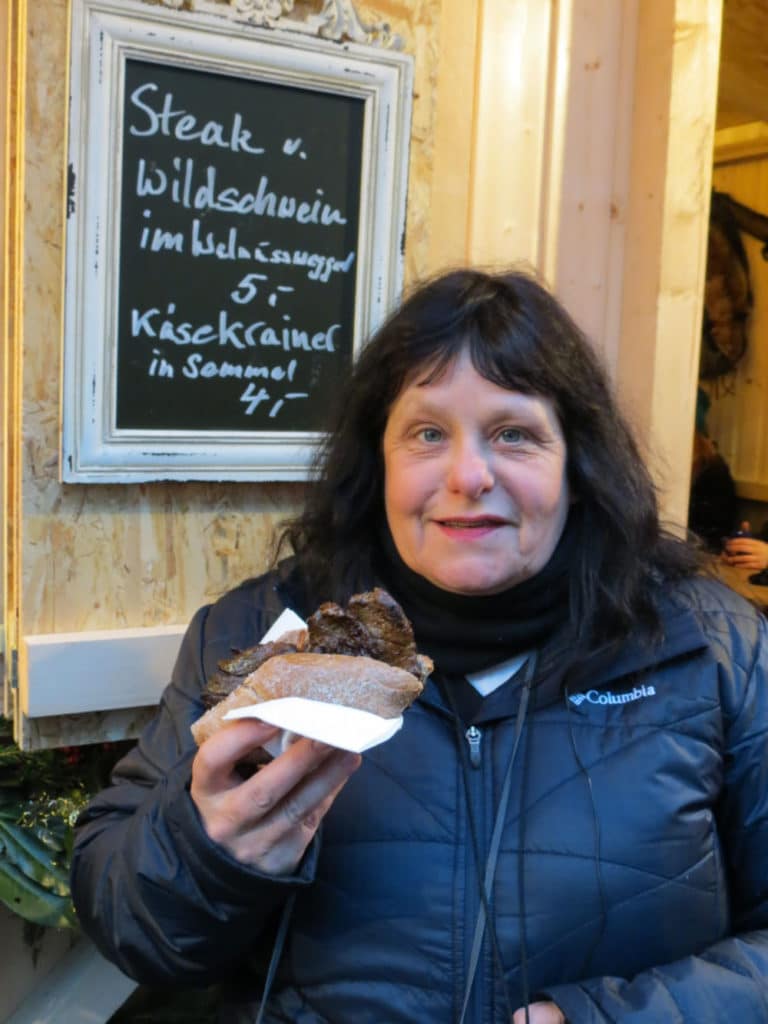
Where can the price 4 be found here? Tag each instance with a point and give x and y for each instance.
(254, 399)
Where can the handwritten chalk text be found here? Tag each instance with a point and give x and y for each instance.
(185, 127)
(151, 323)
(196, 366)
(184, 190)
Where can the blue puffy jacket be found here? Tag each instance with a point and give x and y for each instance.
(632, 874)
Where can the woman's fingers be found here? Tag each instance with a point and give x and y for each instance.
(268, 819)
(213, 768)
(277, 843)
(294, 781)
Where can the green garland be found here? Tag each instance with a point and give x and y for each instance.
(41, 796)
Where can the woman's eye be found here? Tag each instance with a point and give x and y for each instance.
(431, 435)
(512, 435)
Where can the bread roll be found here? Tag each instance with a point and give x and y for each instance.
(354, 681)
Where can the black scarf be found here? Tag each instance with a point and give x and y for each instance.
(467, 634)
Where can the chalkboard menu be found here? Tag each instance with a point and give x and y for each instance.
(235, 220)
(238, 251)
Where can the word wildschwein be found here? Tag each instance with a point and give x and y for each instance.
(154, 181)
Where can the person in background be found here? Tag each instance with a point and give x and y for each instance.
(713, 504)
(746, 551)
(572, 823)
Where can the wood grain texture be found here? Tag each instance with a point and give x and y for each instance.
(743, 86)
(109, 556)
(137, 555)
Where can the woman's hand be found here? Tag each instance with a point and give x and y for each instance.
(268, 820)
(746, 553)
(539, 1013)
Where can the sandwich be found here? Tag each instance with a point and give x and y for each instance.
(362, 656)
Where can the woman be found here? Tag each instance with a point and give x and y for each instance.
(573, 821)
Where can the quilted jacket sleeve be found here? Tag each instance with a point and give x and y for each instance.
(729, 980)
(158, 897)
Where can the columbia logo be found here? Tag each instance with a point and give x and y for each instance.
(596, 697)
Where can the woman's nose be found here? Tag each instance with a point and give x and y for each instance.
(469, 471)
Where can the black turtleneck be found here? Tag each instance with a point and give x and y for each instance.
(468, 633)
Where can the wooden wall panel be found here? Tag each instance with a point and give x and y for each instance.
(10, 359)
(657, 346)
(117, 556)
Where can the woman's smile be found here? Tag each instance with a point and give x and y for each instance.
(476, 495)
(470, 528)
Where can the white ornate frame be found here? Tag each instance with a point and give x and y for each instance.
(255, 39)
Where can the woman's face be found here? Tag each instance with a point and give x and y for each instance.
(475, 486)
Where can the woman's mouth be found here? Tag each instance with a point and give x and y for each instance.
(470, 526)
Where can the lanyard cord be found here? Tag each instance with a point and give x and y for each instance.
(277, 950)
(484, 917)
(476, 850)
(521, 866)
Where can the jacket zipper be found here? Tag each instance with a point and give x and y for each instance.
(474, 736)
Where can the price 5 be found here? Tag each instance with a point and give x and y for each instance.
(247, 289)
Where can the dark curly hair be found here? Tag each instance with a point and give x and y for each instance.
(519, 337)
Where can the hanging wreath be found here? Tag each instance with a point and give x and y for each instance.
(728, 299)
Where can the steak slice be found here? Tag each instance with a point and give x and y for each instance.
(332, 630)
(390, 634)
(373, 625)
